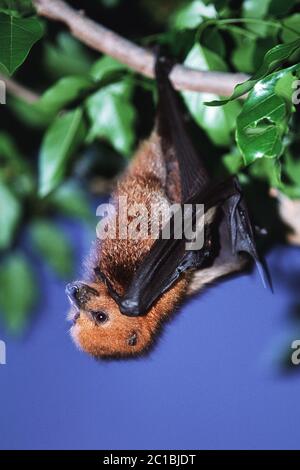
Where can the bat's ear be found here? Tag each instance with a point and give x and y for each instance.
(133, 339)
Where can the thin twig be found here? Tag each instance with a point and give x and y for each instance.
(18, 90)
(103, 40)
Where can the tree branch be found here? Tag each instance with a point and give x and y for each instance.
(103, 40)
(18, 90)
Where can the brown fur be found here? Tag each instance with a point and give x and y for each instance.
(148, 179)
(145, 181)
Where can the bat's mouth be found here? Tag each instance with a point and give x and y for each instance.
(75, 317)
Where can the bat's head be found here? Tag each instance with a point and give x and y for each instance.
(101, 330)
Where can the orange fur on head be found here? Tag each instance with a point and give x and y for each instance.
(121, 336)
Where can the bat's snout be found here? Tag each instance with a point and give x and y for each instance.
(71, 290)
(79, 294)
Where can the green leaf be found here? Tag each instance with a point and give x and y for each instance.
(218, 4)
(192, 14)
(18, 291)
(71, 200)
(53, 246)
(29, 114)
(233, 161)
(60, 141)
(293, 22)
(292, 168)
(272, 170)
(280, 7)
(217, 122)
(104, 66)
(10, 214)
(17, 36)
(244, 54)
(250, 52)
(293, 192)
(17, 7)
(40, 114)
(263, 122)
(67, 57)
(112, 116)
(15, 171)
(8, 149)
(213, 41)
(256, 8)
(62, 93)
(268, 170)
(273, 58)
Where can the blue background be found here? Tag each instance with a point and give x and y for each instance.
(216, 380)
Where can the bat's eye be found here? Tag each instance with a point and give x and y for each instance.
(99, 316)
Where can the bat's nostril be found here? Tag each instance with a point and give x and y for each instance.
(79, 294)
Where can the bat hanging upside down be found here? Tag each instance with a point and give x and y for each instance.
(134, 284)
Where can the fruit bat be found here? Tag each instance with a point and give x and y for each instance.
(133, 285)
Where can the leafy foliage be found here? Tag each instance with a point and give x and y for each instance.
(18, 291)
(92, 111)
(263, 122)
(17, 36)
(60, 141)
(274, 57)
(52, 244)
(112, 116)
(9, 215)
(217, 122)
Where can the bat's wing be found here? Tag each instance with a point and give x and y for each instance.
(174, 135)
(169, 258)
(241, 232)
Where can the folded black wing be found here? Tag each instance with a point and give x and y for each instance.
(169, 258)
(241, 232)
(174, 135)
